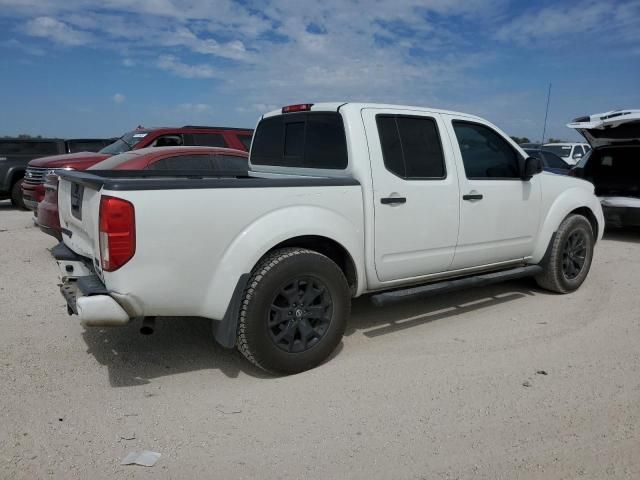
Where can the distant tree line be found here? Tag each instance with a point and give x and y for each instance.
(22, 135)
(521, 140)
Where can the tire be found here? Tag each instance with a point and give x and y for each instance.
(276, 332)
(561, 272)
(16, 195)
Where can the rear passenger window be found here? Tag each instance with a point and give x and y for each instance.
(303, 140)
(485, 154)
(411, 147)
(209, 139)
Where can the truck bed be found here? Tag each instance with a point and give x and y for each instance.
(194, 233)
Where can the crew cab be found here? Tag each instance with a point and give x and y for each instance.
(16, 153)
(190, 135)
(341, 199)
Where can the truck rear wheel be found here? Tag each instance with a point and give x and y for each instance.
(294, 311)
(16, 194)
(569, 259)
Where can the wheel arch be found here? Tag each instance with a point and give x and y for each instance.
(571, 201)
(589, 215)
(329, 248)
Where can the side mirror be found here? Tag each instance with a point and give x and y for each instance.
(532, 166)
(577, 156)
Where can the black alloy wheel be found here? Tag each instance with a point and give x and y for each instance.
(300, 314)
(574, 254)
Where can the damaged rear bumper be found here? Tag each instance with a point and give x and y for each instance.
(84, 292)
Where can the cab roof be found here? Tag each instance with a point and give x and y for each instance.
(335, 106)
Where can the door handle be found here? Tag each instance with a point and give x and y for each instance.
(393, 200)
(472, 196)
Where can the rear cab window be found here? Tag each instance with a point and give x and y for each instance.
(301, 140)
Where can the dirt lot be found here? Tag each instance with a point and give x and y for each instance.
(445, 388)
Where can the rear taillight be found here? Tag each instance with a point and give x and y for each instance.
(117, 232)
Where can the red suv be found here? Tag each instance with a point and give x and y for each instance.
(33, 189)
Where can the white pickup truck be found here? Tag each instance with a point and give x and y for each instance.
(341, 200)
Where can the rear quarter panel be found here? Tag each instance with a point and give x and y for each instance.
(193, 245)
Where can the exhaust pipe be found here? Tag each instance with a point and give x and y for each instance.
(148, 325)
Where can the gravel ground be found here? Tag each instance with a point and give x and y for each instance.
(500, 382)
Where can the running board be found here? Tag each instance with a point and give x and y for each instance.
(424, 291)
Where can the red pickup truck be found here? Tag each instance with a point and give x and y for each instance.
(33, 188)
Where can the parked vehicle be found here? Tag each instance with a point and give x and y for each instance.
(613, 165)
(237, 138)
(550, 161)
(209, 160)
(341, 200)
(16, 153)
(34, 188)
(569, 152)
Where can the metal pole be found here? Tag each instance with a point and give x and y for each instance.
(546, 114)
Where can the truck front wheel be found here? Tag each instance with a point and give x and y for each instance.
(294, 311)
(568, 260)
(16, 194)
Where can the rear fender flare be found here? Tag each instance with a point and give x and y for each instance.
(278, 226)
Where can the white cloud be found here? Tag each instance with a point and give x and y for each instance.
(127, 62)
(194, 107)
(59, 32)
(609, 20)
(118, 98)
(172, 64)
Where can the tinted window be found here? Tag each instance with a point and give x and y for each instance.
(232, 164)
(208, 139)
(306, 140)
(411, 146)
(168, 141)
(294, 139)
(554, 161)
(28, 148)
(485, 154)
(577, 150)
(183, 162)
(268, 142)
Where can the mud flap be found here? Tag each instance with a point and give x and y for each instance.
(225, 331)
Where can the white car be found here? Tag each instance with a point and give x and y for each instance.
(614, 164)
(342, 199)
(569, 152)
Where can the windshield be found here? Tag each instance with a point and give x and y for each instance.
(560, 150)
(125, 142)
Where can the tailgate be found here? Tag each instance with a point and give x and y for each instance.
(78, 205)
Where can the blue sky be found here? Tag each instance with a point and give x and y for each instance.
(102, 67)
